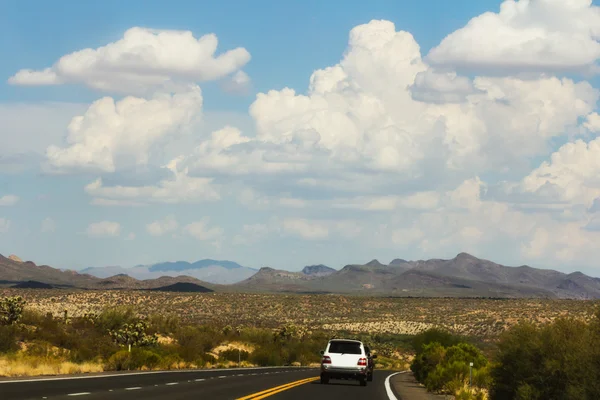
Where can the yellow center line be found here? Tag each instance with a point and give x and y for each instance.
(277, 389)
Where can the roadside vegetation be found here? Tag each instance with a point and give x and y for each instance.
(118, 338)
(528, 360)
(558, 360)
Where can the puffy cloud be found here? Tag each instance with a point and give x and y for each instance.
(142, 60)
(593, 122)
(104, 229)
(319, 229)
(48, 225)
(524, 36)
(9, 200)
(433, 87)
(238, 83)
(202, 231)
(180, 189)
(116, 134)
(251, 233)
(4, 225)
(571, 175)
(363, 125)
(161, 227)
(312, 230)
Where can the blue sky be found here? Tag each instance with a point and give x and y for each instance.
(418, 155)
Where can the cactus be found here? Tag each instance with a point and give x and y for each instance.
(11, 310)
(133, 334)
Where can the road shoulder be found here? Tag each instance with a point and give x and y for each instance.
(406, 387)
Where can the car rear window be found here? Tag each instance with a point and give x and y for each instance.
(344, 347)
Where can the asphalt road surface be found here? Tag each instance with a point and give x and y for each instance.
(230, 384)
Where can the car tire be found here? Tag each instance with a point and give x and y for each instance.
(363, 382)
(324, 379)
(370, 378)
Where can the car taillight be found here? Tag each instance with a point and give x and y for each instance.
(362, 361)
(326, 360)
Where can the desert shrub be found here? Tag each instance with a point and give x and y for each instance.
(163, 324)
(233, 354)
(136, 359)
(11, 310)
(115, 317)
(194, 342)
(266, 356)
(8, 339)
(447, 370)
(555, 361)
(441, 336)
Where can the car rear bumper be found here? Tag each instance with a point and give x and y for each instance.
(344, 373)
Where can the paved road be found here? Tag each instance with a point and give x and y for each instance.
(245, 384)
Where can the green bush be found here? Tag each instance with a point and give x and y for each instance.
(232, 355)
(265, 357)
(446, 370)
(115, 317)
(194, 342)
(441, 336)
(8, 339)
(137, 359)
(555, 361)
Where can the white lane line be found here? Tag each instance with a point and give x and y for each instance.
(200, 380)
(179, 371)
(240, 374)
(222, 376)
(133, 388)
(388, 387)
(79, 394)
(172, 383)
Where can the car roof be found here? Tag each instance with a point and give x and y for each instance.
(345, 340)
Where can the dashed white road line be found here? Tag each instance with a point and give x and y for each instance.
(172, 383)
(133, 388)
(200, 380)
(79, 394)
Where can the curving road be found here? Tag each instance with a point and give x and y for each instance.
(230, 384)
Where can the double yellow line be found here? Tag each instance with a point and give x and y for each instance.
(275, 390)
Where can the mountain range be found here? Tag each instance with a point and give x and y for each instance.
(462, 276)
(213, 271)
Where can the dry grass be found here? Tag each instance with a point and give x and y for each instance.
(32, 366)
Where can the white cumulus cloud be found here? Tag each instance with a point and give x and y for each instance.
(104, 229)
(525, 36)
(181, 188)
(161, 227)
(124, 133)
(201, 230)
(9, 200)
(142, 60)
(382, 115)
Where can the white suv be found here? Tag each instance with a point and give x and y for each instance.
(344, 359)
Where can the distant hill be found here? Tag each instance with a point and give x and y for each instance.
(213, 271)
(186, 287)
(32, 285)
(27, 275)
(317, 270)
